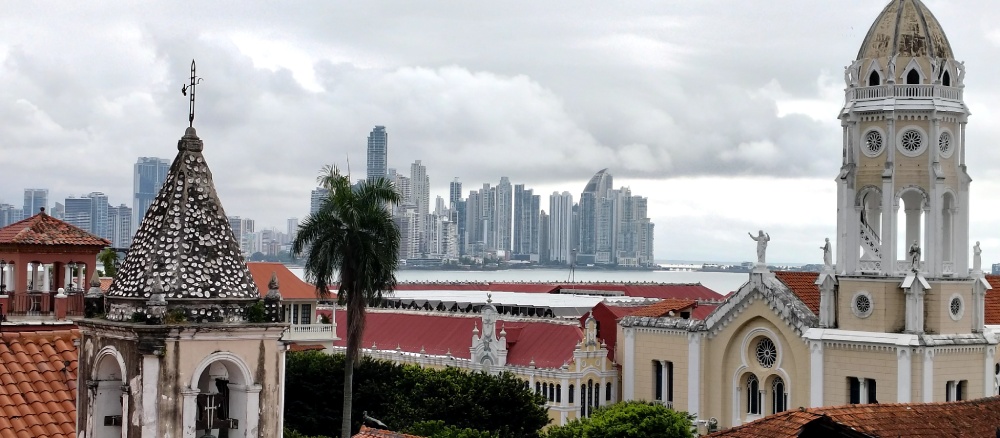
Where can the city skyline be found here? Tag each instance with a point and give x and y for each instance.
(688, 103)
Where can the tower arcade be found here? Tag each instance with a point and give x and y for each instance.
(903, 180)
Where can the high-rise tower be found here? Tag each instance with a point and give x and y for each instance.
(504, 214)
(378, 149)
(148, 174)
(34, 200)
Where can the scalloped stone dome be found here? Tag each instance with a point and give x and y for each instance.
(907, 28)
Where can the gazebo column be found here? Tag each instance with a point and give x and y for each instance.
(33, 281)
(46, 278)
(67, 277)
(81, 273)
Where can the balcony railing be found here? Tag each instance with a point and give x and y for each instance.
(311, 332)
(904, 91)
(42, 304)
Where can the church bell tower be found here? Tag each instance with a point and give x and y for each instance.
(903, 190)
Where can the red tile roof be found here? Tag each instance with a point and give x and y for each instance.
(367, 432)
(802, 285)
(38, 383)
(548, 343)
(663, 308)
(972, 418)
(290, 285)
(993, 300)
(42, 229)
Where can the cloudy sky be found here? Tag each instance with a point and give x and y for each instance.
(723, 113)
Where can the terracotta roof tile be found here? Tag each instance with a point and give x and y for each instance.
(802, 285)
(548, 343)
(42, 229)
(993, 300)
(36, 399)
(290, 285)
(663, 308)
(367, 432)
(972, 418)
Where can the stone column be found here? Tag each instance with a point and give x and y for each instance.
(816, 377)
(694, 375)
(989, 384)
(190, 413)
(904, 371)
(628, 365)
(33, 281)
(928, 381)
(150, 396)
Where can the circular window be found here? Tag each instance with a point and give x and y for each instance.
(767, 352)
(956, 307)
(911, 142)
(862, 304)
(873, 143)
(944, 144)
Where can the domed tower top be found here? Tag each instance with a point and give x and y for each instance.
(908, 29)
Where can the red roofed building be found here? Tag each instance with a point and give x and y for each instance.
(563, 360)
(38, 256)
(310, 319)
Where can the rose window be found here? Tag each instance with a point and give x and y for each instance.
(911, 141)
(863, 304)
(944, 143)
(767, 353)
(956, 306)
(873, 143)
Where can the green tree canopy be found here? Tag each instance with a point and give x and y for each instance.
(108, 257)
(447, 403)
(631, 419)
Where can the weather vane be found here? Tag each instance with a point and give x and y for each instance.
(195, 80)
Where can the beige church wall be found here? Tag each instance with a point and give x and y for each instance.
(864, 362)
(888, 311)
(937, 307)
(655, 344)
(953, 363)
(725, 356)
(917, 375)
(869, 171)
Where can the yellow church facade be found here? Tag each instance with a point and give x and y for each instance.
(898, 313)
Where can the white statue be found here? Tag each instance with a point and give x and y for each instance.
(977, 257)
(914, 256)
(827, 254)
(847, 76)
(961, 73)
(856, 72)
(761, 239)
(935, 69)
(892, 69)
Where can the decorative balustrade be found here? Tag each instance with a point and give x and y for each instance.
(905, 91)
(870, 266)
(948, 268)
(42, 304)
(668, 403)
(904, 266)
(311, 332)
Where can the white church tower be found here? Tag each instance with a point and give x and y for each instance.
(903, 184)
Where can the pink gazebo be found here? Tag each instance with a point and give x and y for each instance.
(39, 255)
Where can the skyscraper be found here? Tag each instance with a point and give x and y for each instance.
(9, 214)
(147, 178)
(78, 212)
(560, 226)
(526, 209)
(34, 201)
(316, 198)
(99, 224)
(590, 204)
(378, 148)
(454, 193)
(293, 228)
(421, 199)
(473, 224)
(504, 214)
(120, 226)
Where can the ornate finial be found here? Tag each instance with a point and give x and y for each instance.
(489, 298)
(95, 280)
(273, 284)
(195, 80)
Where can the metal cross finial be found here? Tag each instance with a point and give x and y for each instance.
(195, 80)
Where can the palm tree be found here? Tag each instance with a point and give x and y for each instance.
(351, 236)
(108, 257)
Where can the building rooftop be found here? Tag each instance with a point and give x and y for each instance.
(42, 229)
(907, 28)
(38, 383)
(971, 418)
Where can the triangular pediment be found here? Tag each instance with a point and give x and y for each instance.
(779, 298)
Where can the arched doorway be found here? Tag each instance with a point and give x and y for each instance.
(910, 226)
(223, 398)
(110, 393)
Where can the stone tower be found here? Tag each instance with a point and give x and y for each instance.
(184, 347)
(904, 180)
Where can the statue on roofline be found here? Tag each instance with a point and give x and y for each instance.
(761, 239)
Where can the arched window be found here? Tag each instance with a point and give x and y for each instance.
(874, 79)
(552, 392)
(545, 390)
(753, 395)
(946, 79)
(779, 399)
(607, 396)
(913, 77)
(558, 393)
(538, 387)
(570, 394)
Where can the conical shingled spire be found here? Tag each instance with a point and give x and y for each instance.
(185, 242)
